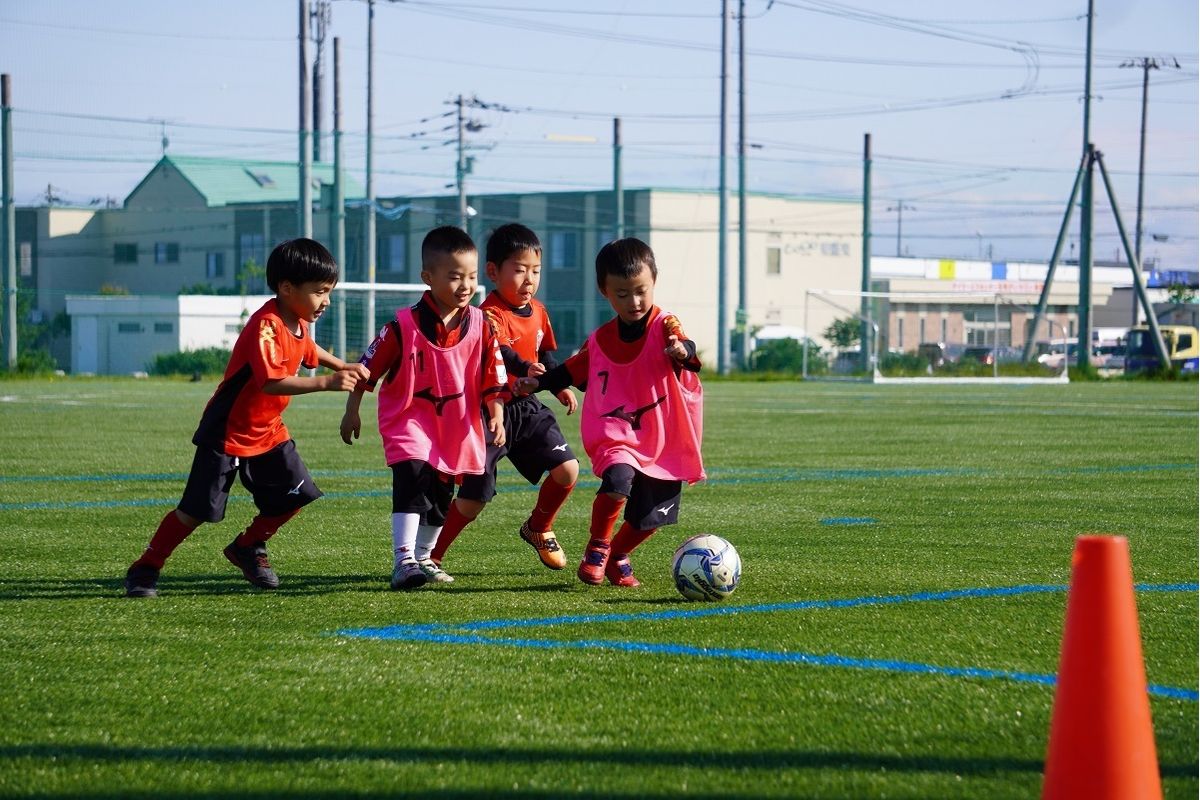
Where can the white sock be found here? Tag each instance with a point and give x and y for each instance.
(427, 536)
(404, 536)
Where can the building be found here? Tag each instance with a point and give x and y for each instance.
(206, 225)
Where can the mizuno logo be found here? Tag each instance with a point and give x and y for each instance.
(297, 489)
(665, 509)
(562, 447)
(438, 402)
(633, 418)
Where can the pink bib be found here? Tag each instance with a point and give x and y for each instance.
(429, 408)
(639, 413)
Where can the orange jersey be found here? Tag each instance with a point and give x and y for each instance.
(525, 330)
(240, 419)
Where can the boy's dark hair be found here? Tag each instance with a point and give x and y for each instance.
(447, 240)
(508, 240)
(624, 258)
(300, 261)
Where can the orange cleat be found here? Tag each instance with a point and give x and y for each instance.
(546, 545)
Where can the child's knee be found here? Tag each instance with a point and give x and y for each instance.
(469, 508)
(566, 474)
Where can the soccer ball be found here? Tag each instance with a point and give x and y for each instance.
(706, 567)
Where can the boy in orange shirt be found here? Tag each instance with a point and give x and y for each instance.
(241, 432)
(534, 444)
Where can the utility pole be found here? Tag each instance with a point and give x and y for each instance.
(742, 313)
(369, 234)
(865, 307)
(304, 200)
(618, 190)
(723, 202)
(461, 168)
(899, 208)
(339, 195)
(1146, 64)
(8, 247)
(320, 26)
(1085, 214)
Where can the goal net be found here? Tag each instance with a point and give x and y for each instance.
(936, 337)
(359, 310)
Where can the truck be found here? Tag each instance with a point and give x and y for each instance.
(1183, 348)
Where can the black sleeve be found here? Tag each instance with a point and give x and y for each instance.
(513, 362)
(547, 359)
(555, 380)
(692, 363)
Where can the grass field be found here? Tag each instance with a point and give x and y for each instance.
(872, 658)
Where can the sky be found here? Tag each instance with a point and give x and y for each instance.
(975, 109)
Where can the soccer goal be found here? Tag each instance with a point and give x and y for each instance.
(359, 310)
(935, 337)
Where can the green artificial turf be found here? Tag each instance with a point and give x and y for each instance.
(830, 492)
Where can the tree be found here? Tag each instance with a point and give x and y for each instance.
(843, 333)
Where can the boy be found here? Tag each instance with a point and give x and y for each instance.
(440, 364)
(642, 411)
(241, 431)
(533, 441)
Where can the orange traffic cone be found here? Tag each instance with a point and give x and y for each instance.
(1101, 738)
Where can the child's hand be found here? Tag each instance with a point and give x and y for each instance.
(675, 349)
(536, 369)
(351, 426)
(567, 398)
(525, 386)
(496, 428)
(345, 380)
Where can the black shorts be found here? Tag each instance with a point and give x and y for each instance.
(418, 488)
(533, 443)
(652, 502)
(277, 479)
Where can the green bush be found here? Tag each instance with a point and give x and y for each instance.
(786, 355)
(206, 361)
(32, 362)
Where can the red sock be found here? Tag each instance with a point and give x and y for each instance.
(455, 522)
(551, 498)
(605, 511)
(628, 539)
(262, 528)
(171, 531)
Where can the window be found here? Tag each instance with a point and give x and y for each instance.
(1185, 342)
(214, 264)
(900, 332)
(166, 252)
(164, 327)
(921, 336)
(773, 260)
(25, 259)
(129, 327)
(563, 252)
(250, 246)
(125, 253)
(395, 253)
(944, 326)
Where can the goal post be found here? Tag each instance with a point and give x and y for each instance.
(360, 309)
(940, 337)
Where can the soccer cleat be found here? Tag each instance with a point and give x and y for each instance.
(253, 563)
(595, 558)
(141, 581)
(434, 573)
(620, 573)
(408, 575)
(546, 545)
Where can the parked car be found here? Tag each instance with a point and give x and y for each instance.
(982, 355)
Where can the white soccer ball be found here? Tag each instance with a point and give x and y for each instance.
(706, 567)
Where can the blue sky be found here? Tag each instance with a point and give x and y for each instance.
(974, 108)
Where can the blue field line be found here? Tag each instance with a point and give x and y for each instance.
(849, 521)
(461, 635)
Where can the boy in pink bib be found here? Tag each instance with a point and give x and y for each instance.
(642, 414)
(440, 363)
